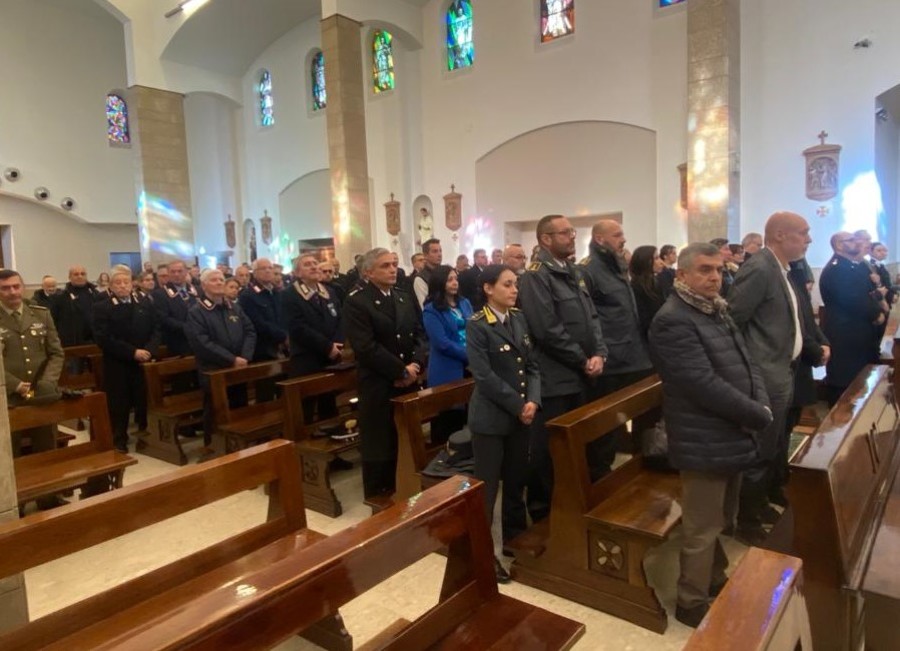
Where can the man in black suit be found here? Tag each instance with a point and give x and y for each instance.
(383, 328)
(126, 330)
(47, 293)
(172, 302)
(668, 254)
(765, 307)
(854, 313)
(262, 305)
(469, 287)
(71, 308)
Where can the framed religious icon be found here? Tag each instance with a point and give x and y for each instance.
(453, 209)
(822, 170)
(392, 215)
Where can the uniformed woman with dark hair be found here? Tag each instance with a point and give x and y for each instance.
(507, 395)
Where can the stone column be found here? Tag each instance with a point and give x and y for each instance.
(714, 101)
(347, 153)
(161, 174)
(13, 601)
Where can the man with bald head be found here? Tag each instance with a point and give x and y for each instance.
(628, 360)
(855, 311)
(72, 308)
(764, 305)
(514, 257)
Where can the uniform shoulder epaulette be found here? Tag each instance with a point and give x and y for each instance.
(585, 260)
(514, 309)
(35, 306)
(477, 316)
(353, 291)
(534, 266)
(206, 303)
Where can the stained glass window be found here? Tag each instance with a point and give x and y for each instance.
(383, 61)
(117, 119)
(460, 47)
(557, 19)
(669, 3)
(318, 81)
(264, 97)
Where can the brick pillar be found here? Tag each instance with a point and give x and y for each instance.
(161, 173)
(347, 154)
(13, 601)
(714, 100)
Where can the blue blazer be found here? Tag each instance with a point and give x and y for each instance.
(447, 357)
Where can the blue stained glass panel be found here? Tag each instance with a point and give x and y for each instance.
(460, 46)
(117, 119)
(382, 61)
(264, 96)
(320, 98)
(669, 3)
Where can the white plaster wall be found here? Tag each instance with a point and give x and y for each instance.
(305, 207)
(801, 74)
(274, 157)
(60, 61)
(45, 241)
(213, 166)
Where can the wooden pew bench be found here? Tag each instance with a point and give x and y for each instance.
(240, 427)
(414, 451)
(85, 377)
(317, 453)
(171, 412)
(94, 466)
(760, 609)
(843, 497)
(592, 547)
(119, 616)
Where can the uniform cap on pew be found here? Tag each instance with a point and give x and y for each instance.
(455, 458)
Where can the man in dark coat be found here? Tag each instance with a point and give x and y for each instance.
(72, 309)
(220, 336)
(627, 359)
(125, 328)
(854, 312)
(668, 254)
(715, 406)
(311, 316)
(262, 305)
(383, 328)
(568, 342)
(172, 302)
(47, 293)
(469, 287)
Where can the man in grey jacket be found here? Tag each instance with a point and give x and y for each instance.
(765, 307)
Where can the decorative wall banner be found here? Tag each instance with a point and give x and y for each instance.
(682, 171)
(822, 170)
(392, 213)
(265, 223)
(230, 238)
(453, 209)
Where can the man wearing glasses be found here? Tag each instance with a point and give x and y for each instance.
(565, 330)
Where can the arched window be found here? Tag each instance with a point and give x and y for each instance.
(460, 47)
(557, 19)
(264, 98)
(317, 73)
(117, 119)
(382, 61)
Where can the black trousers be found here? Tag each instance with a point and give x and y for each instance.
(540, 463)
(125, 390)
(504, 458)
(447, 422)
(319, 408)
(237, 397)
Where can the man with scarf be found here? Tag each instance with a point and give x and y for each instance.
(715, 407)
(72, 307)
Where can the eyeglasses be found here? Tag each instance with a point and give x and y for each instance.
(566, 231)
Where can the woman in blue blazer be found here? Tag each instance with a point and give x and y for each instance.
(444, 316)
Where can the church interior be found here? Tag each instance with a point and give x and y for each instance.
(222, 131)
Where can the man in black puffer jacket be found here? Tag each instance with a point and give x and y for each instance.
(715, 405)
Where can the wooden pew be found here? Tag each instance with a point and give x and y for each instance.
(591, 548)
(316, 453)
(240, 427)
(843, 492)
(411, 412)
(94, 466)
(169, 412)
(91, 371)
(760, 609)
(114, 618)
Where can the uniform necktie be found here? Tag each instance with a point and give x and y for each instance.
(18, 316)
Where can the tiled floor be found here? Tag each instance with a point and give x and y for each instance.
(406, 595)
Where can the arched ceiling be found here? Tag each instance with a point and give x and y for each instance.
(226, 36)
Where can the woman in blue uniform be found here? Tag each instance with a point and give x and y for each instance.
(506, 398)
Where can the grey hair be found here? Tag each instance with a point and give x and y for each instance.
(119, 270)
(207, 273)
(687, 254)
(369, 258)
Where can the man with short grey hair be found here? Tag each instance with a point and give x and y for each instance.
(514, 257)
(383, 329)
(715, 407)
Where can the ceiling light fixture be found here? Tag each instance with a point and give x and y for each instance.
(187, 6)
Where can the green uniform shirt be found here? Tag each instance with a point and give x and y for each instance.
(31, 351)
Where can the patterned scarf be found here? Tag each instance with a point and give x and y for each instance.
(717, 305)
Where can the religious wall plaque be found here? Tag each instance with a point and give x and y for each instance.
(230, 239)
(822, 170)
(392, 213)
(682, 172)
(453, 209)
(265, 223)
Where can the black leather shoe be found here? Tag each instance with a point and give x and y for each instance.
(500, 571)
(770, 515)
(778, 498)
(691, 616)
(751, 536)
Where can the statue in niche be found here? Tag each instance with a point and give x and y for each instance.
(424, 227)
(250, 239)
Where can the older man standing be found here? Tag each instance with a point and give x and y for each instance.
(384, 330)
(221, 336)
(765, 307)
(71, 308)
(172, 302)
(715, 407)
(260, 302)
(469, 287)
(47, 293)
(514, 257)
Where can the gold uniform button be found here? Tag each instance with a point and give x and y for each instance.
(521, 372)
(398, 336)
(522, 384)
(522, 395)
(24, 347)
(27, 360)
(519, 359)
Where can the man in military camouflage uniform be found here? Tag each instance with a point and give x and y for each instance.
(32, 356)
